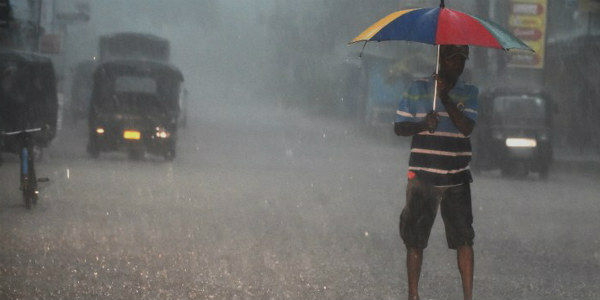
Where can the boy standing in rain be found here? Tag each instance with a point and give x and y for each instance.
(438, 172)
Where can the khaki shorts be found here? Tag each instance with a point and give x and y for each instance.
(422, 202)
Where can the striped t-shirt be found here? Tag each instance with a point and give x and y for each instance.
(440, 158)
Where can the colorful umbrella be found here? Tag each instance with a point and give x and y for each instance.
(440, 26)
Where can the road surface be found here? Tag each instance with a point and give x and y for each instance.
(265, 202)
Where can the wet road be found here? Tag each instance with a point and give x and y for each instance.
(268, 203)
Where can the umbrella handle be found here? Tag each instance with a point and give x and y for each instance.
(437, 70)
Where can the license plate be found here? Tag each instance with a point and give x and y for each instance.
(131, 135)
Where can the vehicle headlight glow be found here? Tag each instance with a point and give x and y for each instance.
(100, 130)
(162, 133)
(521, 142)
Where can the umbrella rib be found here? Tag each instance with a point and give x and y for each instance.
(363, 49)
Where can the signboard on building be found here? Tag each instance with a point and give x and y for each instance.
(527, 21)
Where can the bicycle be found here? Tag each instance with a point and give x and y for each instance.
(28, 179)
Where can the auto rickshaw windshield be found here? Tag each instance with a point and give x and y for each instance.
(140, 93)
(135, 84)
(531, 109)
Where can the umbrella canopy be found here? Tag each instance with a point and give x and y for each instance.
(440, 26)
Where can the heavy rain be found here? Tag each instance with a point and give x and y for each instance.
(229, 149)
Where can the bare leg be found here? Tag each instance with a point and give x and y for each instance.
(414, 260)
(466, 260)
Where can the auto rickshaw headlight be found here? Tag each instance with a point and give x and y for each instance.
(100, 131)
(521, 143)
(162, 133)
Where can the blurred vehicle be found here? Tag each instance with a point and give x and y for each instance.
(81, 90)
(123, 45)
(133, 45)
(350, 86)
(386, 80)
(28, 97)
(514, 133)
(384, 88)
(134, 108)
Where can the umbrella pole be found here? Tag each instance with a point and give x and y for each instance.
(437, 70)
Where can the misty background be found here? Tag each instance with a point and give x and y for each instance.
(298, 51)
(281, 188)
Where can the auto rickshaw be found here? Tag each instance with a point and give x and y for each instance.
(28, 98)
(514, 133)
(134, 108)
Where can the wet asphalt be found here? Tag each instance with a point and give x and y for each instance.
(274, 203)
